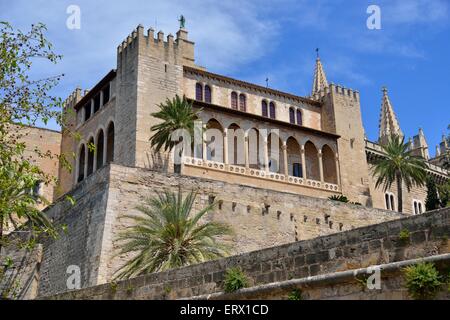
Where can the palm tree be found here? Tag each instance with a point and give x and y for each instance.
(175, 114)
(167, 236)
(399, 165)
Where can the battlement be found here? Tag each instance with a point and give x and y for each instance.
(74, 98)
(177, 50)
(337, 89)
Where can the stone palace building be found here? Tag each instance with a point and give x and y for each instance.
(269, 200)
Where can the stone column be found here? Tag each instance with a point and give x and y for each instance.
(86, 157)
(92, 108)
(320, 165)
(225, 146)
(204, 150)
(266, 155)
(105, 146)
(247, 165)
(338, 171)
(285, 159)
(101, 98)
(95, 155)
(302, 152)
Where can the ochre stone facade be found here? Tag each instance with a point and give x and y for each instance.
(322, 146)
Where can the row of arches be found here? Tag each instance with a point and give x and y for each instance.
(95, 153)
(268, 151)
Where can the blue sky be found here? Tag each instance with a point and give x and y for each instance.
(252, 40)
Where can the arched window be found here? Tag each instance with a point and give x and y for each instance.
(416, 210)
(198, 92)
(90, 167)
(242, 102)
(388, 201)
(392, 202)
(264, 108)
(87, 111)
(272, 110)
(207, 94)
(97, 102)
(234, 102)
(420, 207)
(110, 144)
(100, 148)
(291, 115)
(299, 117)
(81, 162)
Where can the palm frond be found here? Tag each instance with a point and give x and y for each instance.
(167, 235)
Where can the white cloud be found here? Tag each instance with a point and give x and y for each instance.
(416, 11)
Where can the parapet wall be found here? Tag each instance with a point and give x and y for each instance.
(350, 250)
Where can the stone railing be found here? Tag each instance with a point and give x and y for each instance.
(260, 174)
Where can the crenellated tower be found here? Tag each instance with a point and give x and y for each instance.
(341, 114)
(149, 70)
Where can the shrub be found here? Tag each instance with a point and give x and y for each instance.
(422, 280)
(404, 235)
(340, 198)
(235, 279)
(295, 294)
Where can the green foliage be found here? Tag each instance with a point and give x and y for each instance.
(422, 280)
(399, 165)
(235, 279)
(432, 201)
(340, 198)
(175, 114)
(295, 295)
(25, 101)
(444, 194)
(166, 235)
(404, 235)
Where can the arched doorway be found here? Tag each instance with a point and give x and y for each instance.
(81, 163)
(329, 165)
(100, 148)
(294, 158)
(110, 143)
(312, 161)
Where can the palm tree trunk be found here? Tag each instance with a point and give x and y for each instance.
(399, 193)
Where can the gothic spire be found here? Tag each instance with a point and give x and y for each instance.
(320, 79)
(389, 124)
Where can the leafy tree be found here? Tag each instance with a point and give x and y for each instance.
(175, 114)
(166, 235)
(432, 201)
(400, 166)
(444, 194)
(24, 101)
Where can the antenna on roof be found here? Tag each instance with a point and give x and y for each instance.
(317, 52)
(267, 82)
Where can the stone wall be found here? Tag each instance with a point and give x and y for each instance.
(354, 249)
(20, 279)
(47, 142)
(82, 244)
(260, 218)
